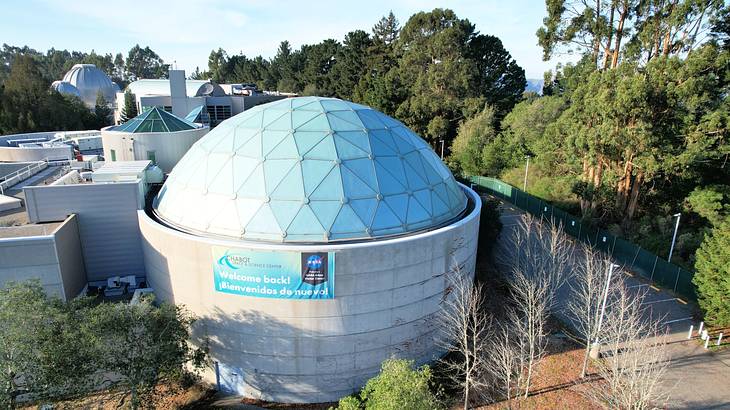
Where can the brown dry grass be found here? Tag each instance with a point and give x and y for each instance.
(557, 382)
(166, 397)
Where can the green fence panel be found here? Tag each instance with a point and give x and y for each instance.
(624, 252)
(684, 285)
(633, 257)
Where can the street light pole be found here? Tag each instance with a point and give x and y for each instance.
(527, 168)
(596, 346)
(442, 150)
(674, 237)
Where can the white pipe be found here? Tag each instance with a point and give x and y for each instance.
(689, 335)
(719, 339)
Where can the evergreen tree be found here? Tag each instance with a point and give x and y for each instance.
(712, 275)
(129, 110)
(102, 111)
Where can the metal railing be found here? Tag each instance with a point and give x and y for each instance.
(22, 174)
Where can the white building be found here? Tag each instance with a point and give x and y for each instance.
(154, 135)
(180, 96)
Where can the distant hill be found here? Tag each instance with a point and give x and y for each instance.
(534, 85)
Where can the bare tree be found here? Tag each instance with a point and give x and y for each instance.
(635, 356)
(503, 359)
(465, 330)
(587, 292)
(539, 266)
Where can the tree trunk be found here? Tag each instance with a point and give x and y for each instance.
(668, 34)
(634, 197)
(585, 359)
(606, 57)
(619, 34)
(597, 37)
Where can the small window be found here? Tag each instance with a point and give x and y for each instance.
(151, 156)
(114, 155)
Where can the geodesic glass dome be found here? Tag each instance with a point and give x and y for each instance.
(309, 169)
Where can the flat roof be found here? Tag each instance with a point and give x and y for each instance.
(29, 230)
(123, 167)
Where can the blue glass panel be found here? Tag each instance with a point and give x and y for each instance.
(399, 205)
(326, 212)
(290, 187)
(354, 186)
(314, 172)
(348, 222)
(385, 218)
(330, 188)
(365, 209)
(306, 223)
(284, 212)
(325, 149)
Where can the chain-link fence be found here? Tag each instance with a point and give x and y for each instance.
(633, 257)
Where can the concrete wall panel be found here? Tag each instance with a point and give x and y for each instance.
(107, 223)
(387, 294)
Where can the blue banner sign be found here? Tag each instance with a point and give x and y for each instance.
(279, 275)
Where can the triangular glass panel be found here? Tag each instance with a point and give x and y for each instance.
(242, 169)
(384, 137)
(326, 212)
(344, 121)
(275, 170)
(357, 138)
(270, 139)
(424, 199)
(287, 148)
(277, 120)
(306, 104)
(365, 209)
(306, 140)
(334, 105)
(388, 183)
(385, 218)
(291, 186)
(403, 143)
(220, 180)
(399, 205)
(254, 121)
(264, 221)
(330, 188)
(284, 212)
(348, 222)
(416, 213)
(305, 223)
(325, 149)
(253, 186)
(364, 169)
(346, 150)
(314, 172)
(299, 118)
(318, 123)
(354, 186)
(251, 148)
(370, 119)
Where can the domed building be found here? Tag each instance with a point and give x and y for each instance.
(89, 81)
(312, 237)
(65, 88)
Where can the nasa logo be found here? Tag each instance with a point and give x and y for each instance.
(314, 268)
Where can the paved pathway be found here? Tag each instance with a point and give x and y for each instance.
(697, 378)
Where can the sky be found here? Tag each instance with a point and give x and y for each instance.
(183, 32)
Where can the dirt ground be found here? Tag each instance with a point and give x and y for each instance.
(557, 383)
(165, 397)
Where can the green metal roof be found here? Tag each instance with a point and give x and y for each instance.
(154, 120)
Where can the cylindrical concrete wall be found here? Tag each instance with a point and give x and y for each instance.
(168, 147)
(387, 294)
